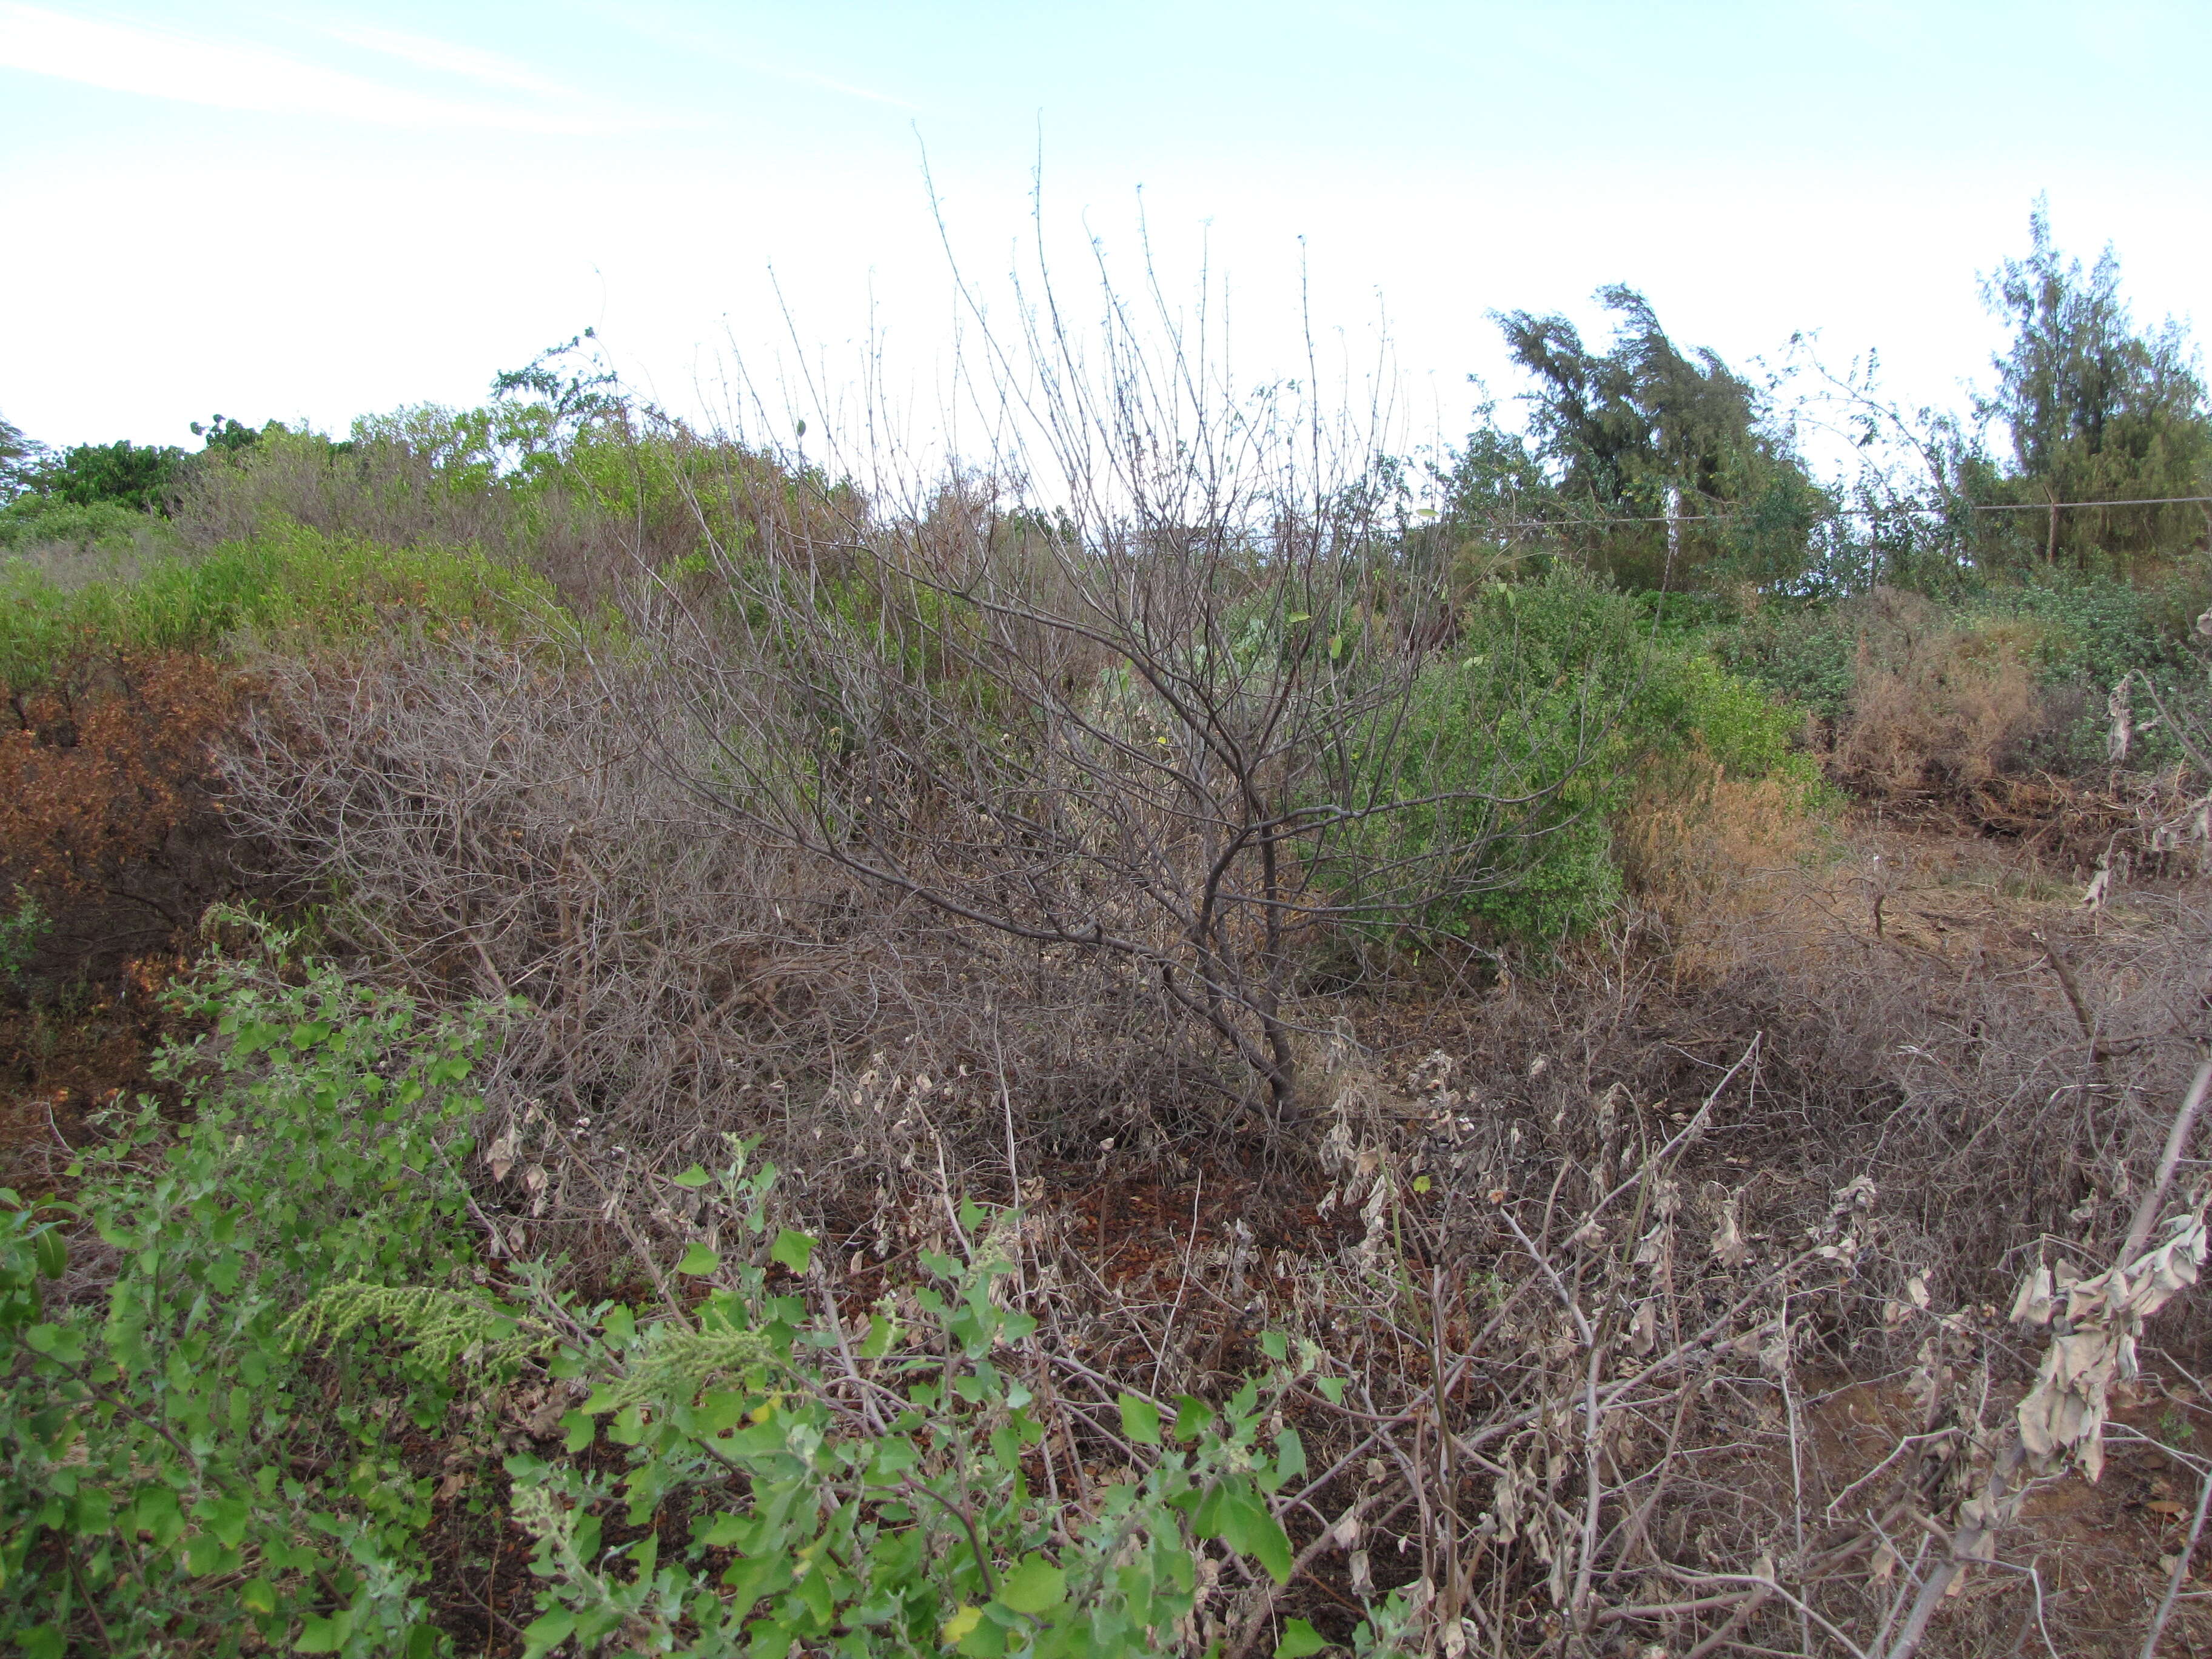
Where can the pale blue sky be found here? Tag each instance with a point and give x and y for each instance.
(315, 209)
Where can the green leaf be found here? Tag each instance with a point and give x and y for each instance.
(698, 1261)
(542, 1634)
(53, 1251)
(955, 1630)
(1290, 1454)
(1035, 1586)
(1272, 1344)
(814, 1591)
(1299, 1639)
(795, 1250)
(751, 1578)
(693, 1176)
(225, 1518)
(58, 1340)
(1191, 1416)
(329, 1635)
(1332, 1389)
(1140, 1420)
(258, 1595)
(1249, 1529)
(43, 1642)
(1422, 1183)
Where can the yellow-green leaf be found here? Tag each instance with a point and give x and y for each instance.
(957, 1626)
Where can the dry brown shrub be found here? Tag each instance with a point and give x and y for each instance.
(105, 810)
(1936, 709)
(490, 818)
(1703, 852)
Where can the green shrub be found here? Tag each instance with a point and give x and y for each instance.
(1559, 689)
(288, 581)
(35, 521)
(2079, 637)
(907, 1526)
(208, 1451)
(173, 1469)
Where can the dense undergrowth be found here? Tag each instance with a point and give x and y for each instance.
(749, 933)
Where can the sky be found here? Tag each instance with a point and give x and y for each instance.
(313, 211)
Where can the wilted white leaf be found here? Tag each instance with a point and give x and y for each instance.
(2033, 1305)
(1728, 1248)
(500, 1153)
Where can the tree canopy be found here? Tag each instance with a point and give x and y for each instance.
(2095, 410)
(1658, 465)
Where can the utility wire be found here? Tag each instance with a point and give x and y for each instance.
(1854, 513)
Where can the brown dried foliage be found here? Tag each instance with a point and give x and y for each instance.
(1937, 708)
(104, 810)
(490, 821)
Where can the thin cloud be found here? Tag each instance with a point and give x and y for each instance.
(156, 63)
(632, 17)
(446, 57)
(808, 78)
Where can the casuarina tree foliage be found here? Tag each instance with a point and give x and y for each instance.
(2095, 412)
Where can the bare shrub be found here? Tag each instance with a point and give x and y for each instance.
(484, 817)
(1150, 691)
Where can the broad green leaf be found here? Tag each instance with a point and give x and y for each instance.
(1299, 1639)
(1251, 1530)
(329, 1635)
(751, 1578)
(1035, 1586)
(542, 1634)
(258, 1595)
(693, 1176)
(225, 1518)
(955, 1628)
(698, 1261)
(795, 1250)
(1140, 1420)
(1273, 1345)
(1191, 1416)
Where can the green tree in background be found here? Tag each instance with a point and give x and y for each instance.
(2096, 412)
(19, 459)
(138, 475)
(229, 436)
(1674, 441)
